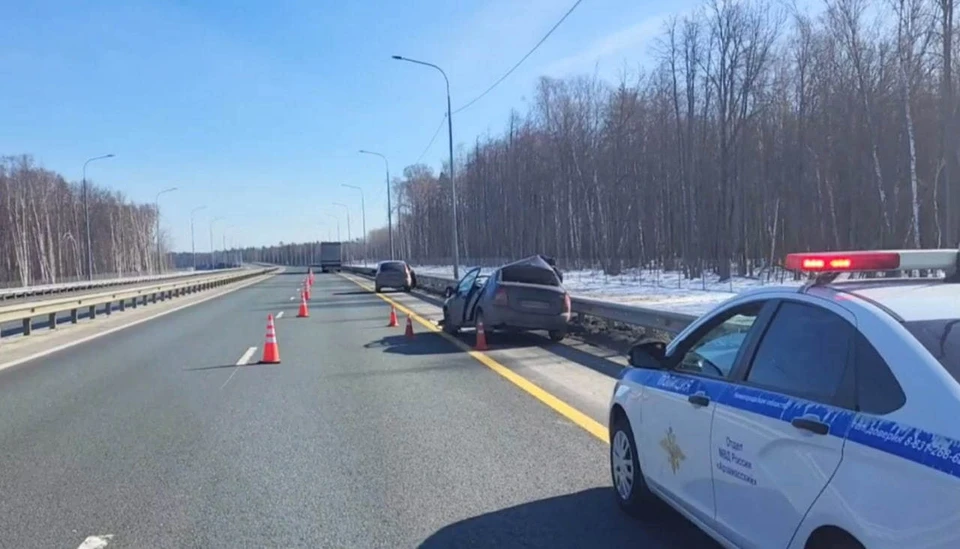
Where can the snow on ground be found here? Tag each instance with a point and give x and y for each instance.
(654, 289)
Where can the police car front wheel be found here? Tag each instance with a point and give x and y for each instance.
(628, 483)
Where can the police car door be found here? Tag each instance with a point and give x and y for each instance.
(778, 435)
(678, 405)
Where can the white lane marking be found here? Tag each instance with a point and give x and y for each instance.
(96, 542)
(242, 362)
(91, 337)
(245, 358)
(292, 298)
(279, 315)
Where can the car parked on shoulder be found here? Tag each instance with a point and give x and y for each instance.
(805, 418)
(525, 295)
(394, 274)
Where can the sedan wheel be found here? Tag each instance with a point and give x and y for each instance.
(448, 325)
(631, 490)
(621, 459)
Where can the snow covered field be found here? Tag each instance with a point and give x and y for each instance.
(654, 289)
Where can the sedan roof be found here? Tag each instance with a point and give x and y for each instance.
(532, 261)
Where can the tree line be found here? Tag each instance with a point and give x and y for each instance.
(43, 229)
(759, 130)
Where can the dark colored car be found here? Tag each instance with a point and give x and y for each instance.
(521, 296)
(394, 274)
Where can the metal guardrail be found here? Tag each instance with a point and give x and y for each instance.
(141, 295)
(66, 287)
(643, 317)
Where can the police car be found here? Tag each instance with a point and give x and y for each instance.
(825, 416)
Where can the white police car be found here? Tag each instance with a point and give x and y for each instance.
(804, 418)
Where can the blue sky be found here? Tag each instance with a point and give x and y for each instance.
(257, 109)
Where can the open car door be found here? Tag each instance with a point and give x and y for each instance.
(457, 303)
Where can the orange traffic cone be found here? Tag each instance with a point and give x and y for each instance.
(303, 312)
(481, 344)
(271, 351)
(409, 331)
(393, 318)
(306, 291)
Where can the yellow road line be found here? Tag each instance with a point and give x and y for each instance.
(586, 422)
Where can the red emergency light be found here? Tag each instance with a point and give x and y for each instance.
(879, 260)
(843, 261)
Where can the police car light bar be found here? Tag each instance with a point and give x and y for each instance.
(880, 260)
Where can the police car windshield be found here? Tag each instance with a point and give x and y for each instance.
(942, 339)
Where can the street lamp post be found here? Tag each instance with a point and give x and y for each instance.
(159, 258)
(86, 213)
(389, 207)
(349, 238)
(193, 244)
(223, 238)
(453, 181)
(213, 254)
(363, 216)
(338, 225)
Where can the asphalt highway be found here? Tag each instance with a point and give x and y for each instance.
(154, 437)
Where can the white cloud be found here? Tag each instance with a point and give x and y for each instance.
(631, 41)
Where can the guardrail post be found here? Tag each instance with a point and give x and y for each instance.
(123, 305)
(52, 321)
(93, 312)
(154, 297)
(108, 308)
(27, 326)
(74, 316)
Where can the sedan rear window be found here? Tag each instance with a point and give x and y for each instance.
(394, 266)
(942, 339)
(529, 275)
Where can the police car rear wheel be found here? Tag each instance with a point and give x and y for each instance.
(631, 490)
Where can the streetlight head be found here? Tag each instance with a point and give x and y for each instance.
(111, 155)
(397, 57)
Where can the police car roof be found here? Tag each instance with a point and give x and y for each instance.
(909, 299)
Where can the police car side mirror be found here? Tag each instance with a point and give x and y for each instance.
(448, 292)
(648, 354)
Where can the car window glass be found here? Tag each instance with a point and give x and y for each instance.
(467, 281)
(392, 267)
(878, 391)
(942, 338)
(715, 353)
(803, 353)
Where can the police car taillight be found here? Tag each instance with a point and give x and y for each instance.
(881, 260)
